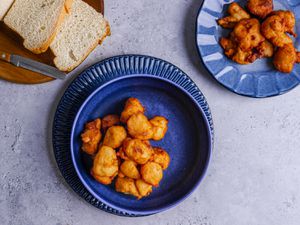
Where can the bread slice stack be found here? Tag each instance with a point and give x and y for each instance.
(71, 28)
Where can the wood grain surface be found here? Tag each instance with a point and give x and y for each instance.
(11, 43)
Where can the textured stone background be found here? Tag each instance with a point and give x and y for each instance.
(253, 177)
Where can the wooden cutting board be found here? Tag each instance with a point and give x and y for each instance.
(12, 43)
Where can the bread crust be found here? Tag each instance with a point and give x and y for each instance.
(68, 5)
(107, 33)
(69, 69)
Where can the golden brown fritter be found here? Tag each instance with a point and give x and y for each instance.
(139, 127)
(137, 150)
(246, 43)
(275, 27)
(91, 137)
(122, 154)
(161, 157)
(247, 34)
(232, 51)
(243, 42)
(285, 58)
(229, 46)
(127, 186)
(152, 173)
(260, 8)
(103, 180)
(265, 49)
(129, 169)
(236, 14)
(160, 127)
(115, 136)
(244, 57)
(288, 19)
(109, 121)
(105, 166)
(132, 107)
(144, 188)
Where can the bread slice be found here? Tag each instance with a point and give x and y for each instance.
(82, 30)
(4, 7)
(37, 21)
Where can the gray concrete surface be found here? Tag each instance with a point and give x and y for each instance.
(253, 178)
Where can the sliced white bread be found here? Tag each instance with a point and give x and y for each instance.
(37, 21)
(4, 7)
(82, 30)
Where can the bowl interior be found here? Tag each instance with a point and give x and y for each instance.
(187, 140)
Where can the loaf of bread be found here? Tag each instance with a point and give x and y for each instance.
(81, 31)
(37, 21)
(4, 7)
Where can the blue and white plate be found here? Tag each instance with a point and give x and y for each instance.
(259, 79)
(164, 90)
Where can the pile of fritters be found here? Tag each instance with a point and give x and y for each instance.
(265, 34)
(125, 152)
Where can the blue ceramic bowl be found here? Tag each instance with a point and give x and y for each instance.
(188, 140)
(259, 79)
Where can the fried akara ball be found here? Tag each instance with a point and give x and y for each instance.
(132, 106)
(276, 27)
(232, 51)
(288, 19)
(285, 58)
(91, 137)
(129, 169)
(247, 34)
(127, 186)
(109, 121)
(143, 188)
(236, 14)
(137, 150)
(260, 8)
(115, 136)
(246, 44)
(265, 49)
(161, 157)
(105, 166)
(152, 173)
(235, 53)
(139, 127)
(160, 127)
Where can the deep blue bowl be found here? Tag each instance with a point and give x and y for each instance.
(259, 79)
(188, 140)
(165, 90)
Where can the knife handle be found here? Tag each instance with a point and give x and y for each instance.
(5, 56)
